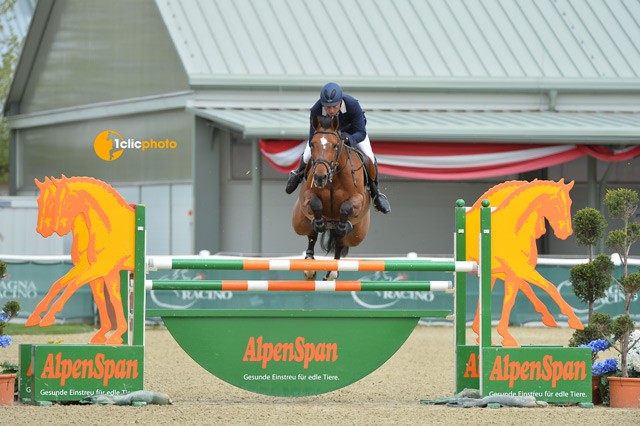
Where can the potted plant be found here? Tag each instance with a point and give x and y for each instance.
(589, 282)
(619, 380)
(7, 370)
(600, 370)
(622, 203)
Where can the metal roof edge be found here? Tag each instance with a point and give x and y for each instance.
(591, 85)
(562, 131)
(131, 106)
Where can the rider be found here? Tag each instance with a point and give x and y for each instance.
(353, 131)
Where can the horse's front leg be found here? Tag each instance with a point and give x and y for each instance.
(319, 223)
(72, 286)
(310, 275)
(56, 288)
(344, 226)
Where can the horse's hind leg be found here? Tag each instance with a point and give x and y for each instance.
(340, 250)
(112, 285)
(99, 298)
(541, 308)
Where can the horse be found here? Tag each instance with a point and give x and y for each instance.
(518, 220)
(334, 196)
(95, 214)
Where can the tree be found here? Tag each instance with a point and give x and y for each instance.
(591, 280)
(588, 227)
(10, 48)
(623, 204)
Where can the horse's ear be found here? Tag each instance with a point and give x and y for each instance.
(335, 123)
(315, 122)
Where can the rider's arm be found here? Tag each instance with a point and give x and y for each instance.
(358, 121)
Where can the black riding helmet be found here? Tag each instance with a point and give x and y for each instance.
(330, 95)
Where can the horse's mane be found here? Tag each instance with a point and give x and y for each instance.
(505, 187)
(92, 182)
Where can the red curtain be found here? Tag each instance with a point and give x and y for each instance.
(451, 161)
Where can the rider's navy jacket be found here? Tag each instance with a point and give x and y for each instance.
(352, 121)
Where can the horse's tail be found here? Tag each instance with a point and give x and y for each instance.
(329, 240)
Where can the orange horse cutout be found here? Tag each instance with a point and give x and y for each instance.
(96, 215)
(518, 220)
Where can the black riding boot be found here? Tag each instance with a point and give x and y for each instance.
(380, 201)
(295, 177)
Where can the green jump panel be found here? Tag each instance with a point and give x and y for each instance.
(291, 352)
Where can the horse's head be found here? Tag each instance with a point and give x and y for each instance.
(326, 146)
(559, 210)
(65, 212)
(53, 207)
(47, 207)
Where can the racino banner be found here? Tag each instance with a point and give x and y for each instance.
(453, 161)
(28, 282)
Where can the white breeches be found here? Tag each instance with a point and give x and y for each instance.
(364, 146)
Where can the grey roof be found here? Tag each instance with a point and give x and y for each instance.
(547, 127)
(429, 70)
(365, 40)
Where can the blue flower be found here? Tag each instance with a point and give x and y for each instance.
(607, 366)
(5, 341)
(4, 317)
(596, 345)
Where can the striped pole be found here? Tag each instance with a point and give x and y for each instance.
(165, 262)
(274, 285)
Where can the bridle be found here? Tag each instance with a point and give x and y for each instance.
(331, 166)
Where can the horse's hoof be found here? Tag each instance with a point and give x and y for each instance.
(98, 339)
(32, 321)
(114, 340)
(549, 321)
(331, 276)
(575, 323)
(510, 342)
(310, 275)
(319, 225)
(343, 229)
(47, 320)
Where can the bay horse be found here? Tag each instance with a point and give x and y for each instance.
(518, 220)
(334, 200)
(95, 214)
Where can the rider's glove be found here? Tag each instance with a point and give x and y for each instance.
(345, 139)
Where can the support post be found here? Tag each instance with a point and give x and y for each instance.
(484, 270)
(460, 286)
(256, 186)
(139, 275)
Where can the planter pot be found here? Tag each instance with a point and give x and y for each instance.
(595, 390)
(624, 392)
(7, 388)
